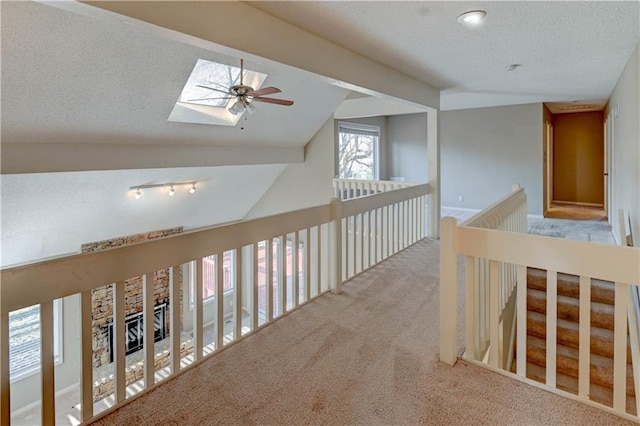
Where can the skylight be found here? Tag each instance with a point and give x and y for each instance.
(214, 75)
(204, 106)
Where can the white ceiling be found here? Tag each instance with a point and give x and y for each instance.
(71, 78)
(568, 50)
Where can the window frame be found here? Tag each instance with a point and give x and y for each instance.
(376, 149)
(191, 279)
(58, 350)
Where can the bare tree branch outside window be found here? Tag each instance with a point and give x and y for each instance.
(356, 156)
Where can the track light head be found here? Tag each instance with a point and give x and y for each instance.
(138, 194)
(172, 191)
(192, 189)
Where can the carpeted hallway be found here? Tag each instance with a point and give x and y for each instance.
(366, 356)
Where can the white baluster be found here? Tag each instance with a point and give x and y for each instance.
(585, 338)
(175, 283)
(5, 387)
(620, 348)
(120, 332)
(552, 315)
(256, 289)
(198, 334)
(470, 308)
(494, 316)
(295, 276)
(86, 356)
(47, 367)
(149, 329)
(269, 278)
(521, 312)
(219, 306)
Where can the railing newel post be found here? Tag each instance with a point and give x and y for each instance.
(448, 291)
(336, 246)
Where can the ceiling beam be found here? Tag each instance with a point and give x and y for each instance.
(235, 28)
(72, 157)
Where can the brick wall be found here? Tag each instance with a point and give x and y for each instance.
(102, 297)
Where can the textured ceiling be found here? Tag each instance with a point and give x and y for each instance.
(568, 50)
(72, 78)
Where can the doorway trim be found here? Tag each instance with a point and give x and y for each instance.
(609, 161)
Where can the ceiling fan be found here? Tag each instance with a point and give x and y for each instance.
(245, 95)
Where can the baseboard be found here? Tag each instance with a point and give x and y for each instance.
(529, 215)
(460, 208)
(578, 203)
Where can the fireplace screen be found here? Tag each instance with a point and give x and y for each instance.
(134, 330)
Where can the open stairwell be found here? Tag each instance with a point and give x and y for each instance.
(602, 337)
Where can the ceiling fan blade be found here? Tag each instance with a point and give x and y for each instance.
(273, 101)
(226, 92)
(264, 91)
(209, 99)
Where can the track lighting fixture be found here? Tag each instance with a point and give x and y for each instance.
(171, 185)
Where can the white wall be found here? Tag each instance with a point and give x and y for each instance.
(626, 145)
(407, 147)
(485, 150)
(305, 184)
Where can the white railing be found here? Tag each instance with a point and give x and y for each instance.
(334, 241)
(346, 189)
(508, 214)
(376, 227)
(626, 239)
(617, 264)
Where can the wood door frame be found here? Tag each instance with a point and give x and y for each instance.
(548, 165)
(609, 161)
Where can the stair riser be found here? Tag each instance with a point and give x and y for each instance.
(572, 313)
(599, 346)
(601, 291)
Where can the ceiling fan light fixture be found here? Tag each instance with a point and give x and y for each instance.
(237, 107)
(472, 18)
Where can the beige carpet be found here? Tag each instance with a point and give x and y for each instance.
(367, 356)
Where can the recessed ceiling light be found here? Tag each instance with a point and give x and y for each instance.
(512, 67)
(472, 18)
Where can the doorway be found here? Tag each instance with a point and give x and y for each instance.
(577, 165)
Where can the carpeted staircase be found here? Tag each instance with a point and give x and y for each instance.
(602, 320)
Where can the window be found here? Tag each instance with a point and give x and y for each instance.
(209, 276)
(24, 339)
(358, 151)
